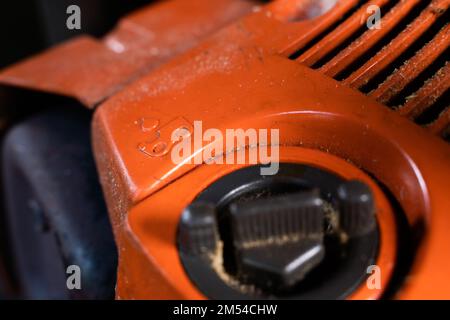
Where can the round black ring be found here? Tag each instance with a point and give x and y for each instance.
(339, 283)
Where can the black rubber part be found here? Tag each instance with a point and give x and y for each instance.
(55, 208)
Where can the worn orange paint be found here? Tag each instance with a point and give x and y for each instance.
(90, 70)
(241, 78)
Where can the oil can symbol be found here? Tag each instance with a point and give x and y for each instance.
(159, 137)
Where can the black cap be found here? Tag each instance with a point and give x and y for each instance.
(278, 240)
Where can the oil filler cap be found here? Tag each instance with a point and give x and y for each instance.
(278, 240)
(302, 234)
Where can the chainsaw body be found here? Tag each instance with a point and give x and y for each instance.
(344, 111)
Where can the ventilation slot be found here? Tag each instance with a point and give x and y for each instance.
(402, 64)
(363, 53)
(414, 71)
(341, 14)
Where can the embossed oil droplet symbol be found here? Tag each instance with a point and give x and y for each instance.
(148, 124)
(159, 140)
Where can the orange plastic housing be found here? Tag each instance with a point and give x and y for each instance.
(242, 78)
(90, 70)
(167, 66)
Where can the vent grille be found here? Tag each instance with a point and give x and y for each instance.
(403, 64)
